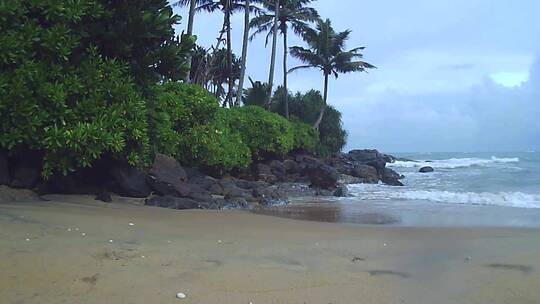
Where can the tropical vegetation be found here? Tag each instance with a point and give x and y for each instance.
(88, 79)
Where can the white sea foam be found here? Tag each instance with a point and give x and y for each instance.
(507, 199)
(453, 163)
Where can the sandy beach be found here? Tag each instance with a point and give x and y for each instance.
(75, 250)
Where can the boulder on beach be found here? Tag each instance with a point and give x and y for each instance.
(391, 177)
(368, 174)
(166, 175)
(426, 169)
(130, 181)
(324, 177)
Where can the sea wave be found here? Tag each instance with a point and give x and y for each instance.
(453, 163)
(507, 199)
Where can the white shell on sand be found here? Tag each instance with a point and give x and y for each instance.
(131, 224)
(83, 234)
(28, 240)
(180, 296)
(384, 245)
(220, 241)
(110, 241)
(69, 229)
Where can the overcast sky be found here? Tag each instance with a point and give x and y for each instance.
(453, 75)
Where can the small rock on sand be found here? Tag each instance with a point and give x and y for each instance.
(180, 296)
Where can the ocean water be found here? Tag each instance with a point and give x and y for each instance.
(466, 190)
(499, 179)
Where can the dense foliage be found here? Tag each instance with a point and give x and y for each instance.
(87, 79)
(306, 107)
(187, 122)
(69, 103)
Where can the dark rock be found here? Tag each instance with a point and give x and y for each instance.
(230, 191)
(250, 185)
(130, 181)
(391, 177)
(291, 167)
(307, 162)
(166, 175)
(324, 177)
(193, 191)
(4, 169)
(205, 182)
(264, 173)
(368, 174)
(349, 179)
(104, 196)
(341, 191)
(271, 196)
(364, 156)
(278, 169)
(236, 203)
(426, 169)
(173, 202)
(293, 190)
(25, 175)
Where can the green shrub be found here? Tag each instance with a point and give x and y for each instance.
(215, 145)
(262, 131)
(73, 115)
(306, 107)
(175, 110)
(305, 137)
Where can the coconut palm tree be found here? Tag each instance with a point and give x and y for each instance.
(292, 14)
(244, 53)
(326, 52)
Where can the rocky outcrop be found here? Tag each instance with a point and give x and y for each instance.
(5, 178)
(130, 181)
(324, 177)
(166, 176)
(367, 166)
(426, 169)
(366, 173)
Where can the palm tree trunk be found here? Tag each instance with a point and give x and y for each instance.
(192, 5)
(244, 54)
(228, 98)
(323, 107)
(285, 53)
(273, 58)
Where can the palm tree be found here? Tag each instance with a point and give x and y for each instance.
(273, 56)
(293, 14)
(228, 7)
(326, 53)
(244, 53)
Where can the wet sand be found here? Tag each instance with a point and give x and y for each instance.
(60, 252)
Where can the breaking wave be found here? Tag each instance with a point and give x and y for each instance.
(506, 199)
(453, 163)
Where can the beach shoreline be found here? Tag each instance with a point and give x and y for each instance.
(76, 250)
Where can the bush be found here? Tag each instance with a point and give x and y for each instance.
(188, 123)
(175, 109)
(215, 145)
(306, 108)
(305, 137)
(262, 131)
(73, 115)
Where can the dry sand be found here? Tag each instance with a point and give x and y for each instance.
(60, 252)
